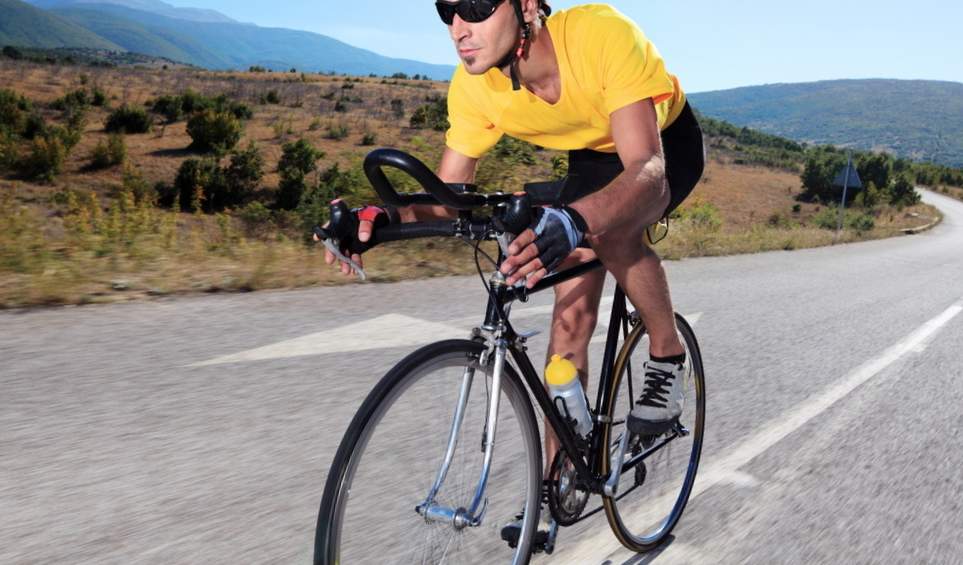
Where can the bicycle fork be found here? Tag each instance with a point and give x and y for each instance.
(462, 517)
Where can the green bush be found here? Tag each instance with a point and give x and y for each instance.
(514, 151)
(703, 215)
(128, 119)
(241, 177)
(98, 97)
(368, 139)
(212, 131)
(170, 107)
(110, 153)
(298, 160)
(35, 126)
(14, 110)
(433, 115)
(860, 222)
(337, 132)
(271, 97)
(45, 158)
(77, 97)
(903, 191)
(255, 217)
(197, 175)
(826, 218)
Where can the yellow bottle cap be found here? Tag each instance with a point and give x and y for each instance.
(560, 371)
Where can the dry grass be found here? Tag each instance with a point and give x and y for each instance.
(57, 252)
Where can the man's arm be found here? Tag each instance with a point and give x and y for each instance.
(454, 168)
(635, 199)
(640, 194)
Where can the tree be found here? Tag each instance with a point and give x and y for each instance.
(875, 168)
(213, 131)
(298, 160)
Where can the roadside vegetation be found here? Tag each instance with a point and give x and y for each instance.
(117, 184)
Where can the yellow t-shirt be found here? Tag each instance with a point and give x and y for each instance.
(606, 63)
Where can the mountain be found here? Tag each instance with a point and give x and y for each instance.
(221, 45)
(26, 26)
(152, 6)
(917, 119)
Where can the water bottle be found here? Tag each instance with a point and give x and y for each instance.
(566, 390)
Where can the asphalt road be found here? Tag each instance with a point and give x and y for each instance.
(199, 430)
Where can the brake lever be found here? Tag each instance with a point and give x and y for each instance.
(332, 245)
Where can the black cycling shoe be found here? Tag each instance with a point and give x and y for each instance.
(544, 539)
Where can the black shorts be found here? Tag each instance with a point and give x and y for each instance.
(589, 171)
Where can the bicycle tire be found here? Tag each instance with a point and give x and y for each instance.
(625, 508)
(406, 377)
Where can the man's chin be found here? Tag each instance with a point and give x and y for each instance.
(474, 66)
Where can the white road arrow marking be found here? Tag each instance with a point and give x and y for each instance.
(391, 330)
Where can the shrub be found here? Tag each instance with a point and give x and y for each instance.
(298, 159)
(337, 132)
(433, 115)
(213, 131)
(271, 97)
(903, 191)
(98, 98)
(45, 158)
(127, 119)
(197, 177)
(12, 52)
(861, 222)
(340, 106)
(241, 177)
(34, 126)
(703, 215)
(255, 217)
(110, 153)
(368, 139)
(827, 218)
(77, 97)
(514, 151)
(14, 110)
(171, 107)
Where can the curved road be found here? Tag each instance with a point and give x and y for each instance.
(198, 430)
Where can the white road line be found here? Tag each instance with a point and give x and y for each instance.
(724, 469)
(391, 330)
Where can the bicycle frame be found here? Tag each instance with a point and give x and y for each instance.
(507, 341)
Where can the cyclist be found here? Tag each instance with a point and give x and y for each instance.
(588, 81)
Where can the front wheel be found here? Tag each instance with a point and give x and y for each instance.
(652, 496)
(392, 453)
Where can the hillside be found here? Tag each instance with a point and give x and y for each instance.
(114, 231)
(235, 45)
(917, 119)
(23, 25)
(153, 6)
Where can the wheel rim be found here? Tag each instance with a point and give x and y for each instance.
(396, 460)
(643, 515)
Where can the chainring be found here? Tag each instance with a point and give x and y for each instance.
(566, 500)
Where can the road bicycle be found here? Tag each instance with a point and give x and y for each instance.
(417, 478)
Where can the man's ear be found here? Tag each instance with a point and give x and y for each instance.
(530, 10)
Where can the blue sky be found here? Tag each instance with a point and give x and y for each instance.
(710, 44)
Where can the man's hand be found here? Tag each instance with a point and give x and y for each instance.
(368, 218)
(539, 250)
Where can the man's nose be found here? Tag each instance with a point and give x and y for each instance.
(460, 29)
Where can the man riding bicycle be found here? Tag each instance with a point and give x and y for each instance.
(587, 81)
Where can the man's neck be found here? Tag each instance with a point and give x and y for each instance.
(538, 69)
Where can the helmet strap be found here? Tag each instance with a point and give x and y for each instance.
(513, 58)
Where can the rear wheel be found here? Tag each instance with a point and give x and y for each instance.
(652, 496)
(393, 450)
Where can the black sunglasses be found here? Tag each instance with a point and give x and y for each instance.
(471, 11)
